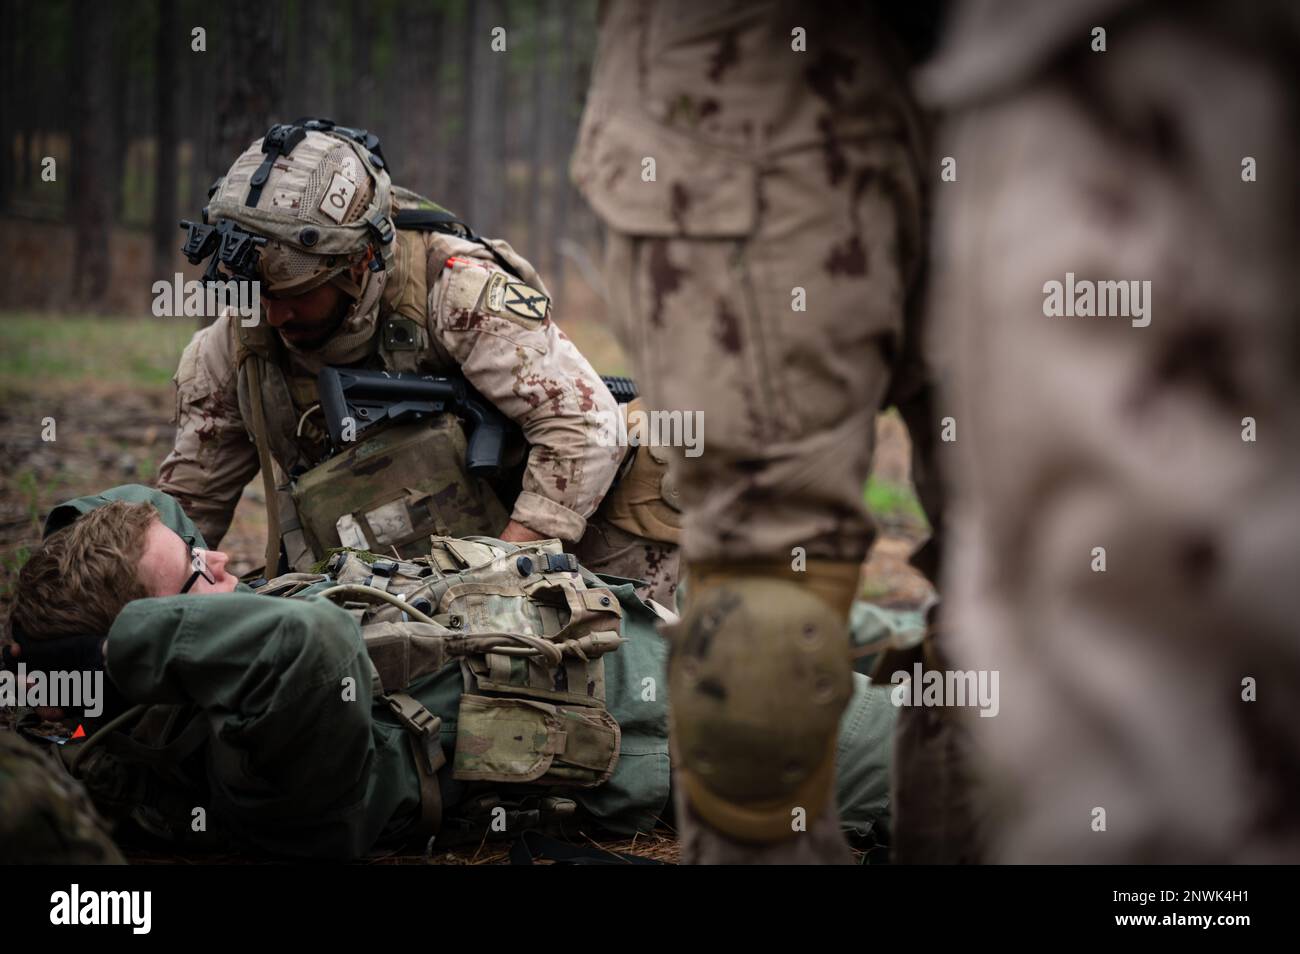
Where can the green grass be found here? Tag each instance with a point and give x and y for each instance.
(40, 349)
(10, 565)
(894, 503)
(29, 489)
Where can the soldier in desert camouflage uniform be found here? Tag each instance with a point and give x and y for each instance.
(757, 167)
(341, 287)
(1124, 690)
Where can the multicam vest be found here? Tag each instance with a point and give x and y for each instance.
(528, 630)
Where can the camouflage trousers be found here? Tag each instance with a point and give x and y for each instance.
(780, 342)
(608, 549)
(1127, 511)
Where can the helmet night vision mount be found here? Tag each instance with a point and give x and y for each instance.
(234, 248)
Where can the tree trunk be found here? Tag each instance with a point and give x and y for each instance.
(251, 82)
(166, 235)
(484, 79)
(564, 126)
(92, 138)
(313, 93)
(22, 67)
(8, 120)
(252, 77)
(358, 81)
(419, 33)
(539, 147)
(465, 175)
(448, 127)
(120, 145)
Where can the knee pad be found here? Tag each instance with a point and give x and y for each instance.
(759, 675)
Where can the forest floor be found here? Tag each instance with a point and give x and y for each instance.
(105, 385)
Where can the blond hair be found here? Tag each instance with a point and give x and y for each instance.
(82, 576)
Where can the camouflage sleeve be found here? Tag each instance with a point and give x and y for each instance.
(498, 329)
(212, 457)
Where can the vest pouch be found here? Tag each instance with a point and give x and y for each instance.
(584, 623)
(403, 653)
(514, 740)
(394, 490)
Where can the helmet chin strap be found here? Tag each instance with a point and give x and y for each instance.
(343, 281)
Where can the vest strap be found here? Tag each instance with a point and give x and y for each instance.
(430, 220)
(272, 555)
(423, 728)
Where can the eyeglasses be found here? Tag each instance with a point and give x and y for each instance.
(198, 564)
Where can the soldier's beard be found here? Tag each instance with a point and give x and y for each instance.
(313, 336)
(348, 340)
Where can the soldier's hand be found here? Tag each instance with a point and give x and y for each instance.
(516, 532)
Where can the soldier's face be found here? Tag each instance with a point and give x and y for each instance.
(307, 321)
(168, 564)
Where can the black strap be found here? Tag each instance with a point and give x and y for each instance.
(440, 220)
(278, 141)
(534, 846)
(429, 220)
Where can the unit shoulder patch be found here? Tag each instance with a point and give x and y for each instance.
(476, 287)
(507, 297)
(522, 301)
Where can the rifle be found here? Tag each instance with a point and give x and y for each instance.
(368, 398)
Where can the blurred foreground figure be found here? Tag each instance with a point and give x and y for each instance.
(757, 167)
(47, 818)
(1127, 521)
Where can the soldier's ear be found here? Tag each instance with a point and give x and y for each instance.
(359, 269)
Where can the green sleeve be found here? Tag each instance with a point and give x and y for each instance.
(295, 763)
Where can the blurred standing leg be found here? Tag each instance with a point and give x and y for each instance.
(1127, 513)
(756, 164)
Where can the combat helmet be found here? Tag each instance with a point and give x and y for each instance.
(297, 209)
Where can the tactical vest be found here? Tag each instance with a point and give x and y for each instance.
(426, 490)
(528, 630)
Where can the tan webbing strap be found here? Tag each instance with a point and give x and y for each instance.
(265, 463)
(423, 727)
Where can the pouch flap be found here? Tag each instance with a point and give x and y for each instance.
(505, 740)
(521, 740)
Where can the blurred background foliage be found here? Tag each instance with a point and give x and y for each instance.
(140, 123)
